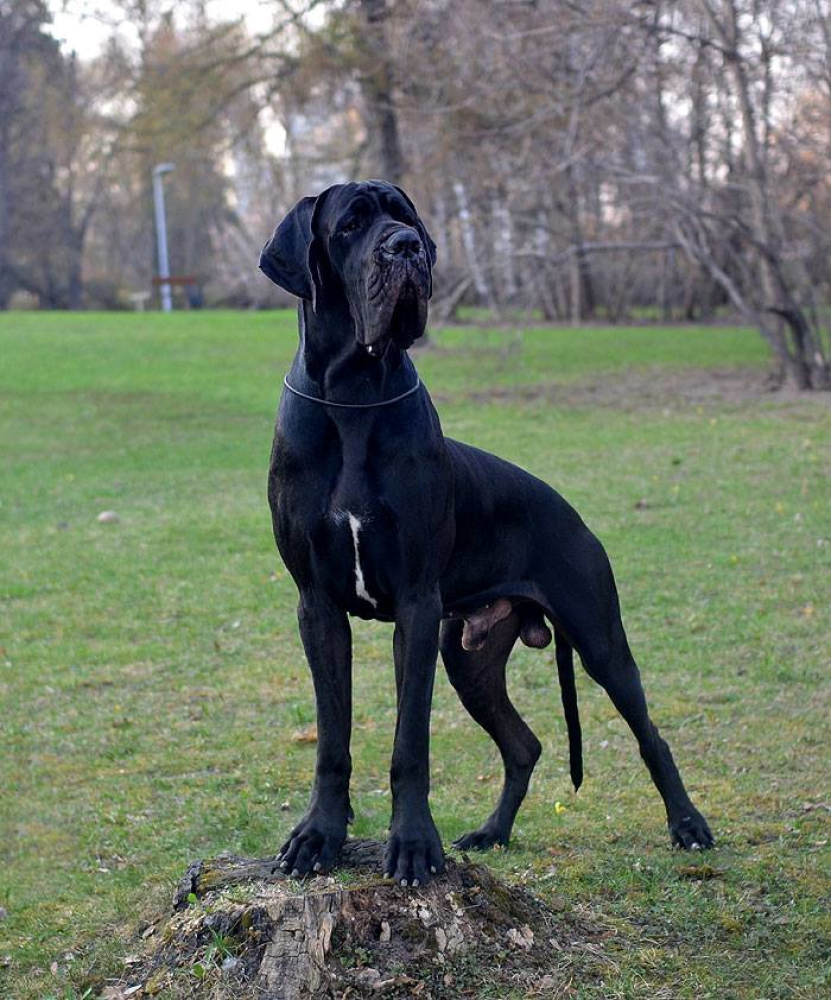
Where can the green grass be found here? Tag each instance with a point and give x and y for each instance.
(151, 676)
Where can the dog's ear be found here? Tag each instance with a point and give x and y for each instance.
(426, 238)
(284, 258)
(316, 256)
(294, 257)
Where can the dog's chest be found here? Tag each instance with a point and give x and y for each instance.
(358, 544)
(359, 551)
(355, 514)
(354, 544)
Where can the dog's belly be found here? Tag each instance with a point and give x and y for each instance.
(512, 530)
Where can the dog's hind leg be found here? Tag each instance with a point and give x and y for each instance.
(581, 598)
(601, 641)
(620, 677)
(479, 679)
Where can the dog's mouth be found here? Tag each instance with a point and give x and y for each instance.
(397, 293)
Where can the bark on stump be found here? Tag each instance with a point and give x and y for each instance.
(241, 928)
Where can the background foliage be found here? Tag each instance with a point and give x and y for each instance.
(583, 159)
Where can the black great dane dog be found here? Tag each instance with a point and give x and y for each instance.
(377, 514)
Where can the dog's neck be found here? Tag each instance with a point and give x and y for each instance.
(332, 365)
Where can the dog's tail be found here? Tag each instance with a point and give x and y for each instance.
(568, 692)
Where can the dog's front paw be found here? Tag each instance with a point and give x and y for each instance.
(689, 831)
(413, 853)
(313, 846)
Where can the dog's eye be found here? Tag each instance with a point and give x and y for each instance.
(352, 226)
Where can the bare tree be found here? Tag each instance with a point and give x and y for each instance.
(732, 215)
(585, 158)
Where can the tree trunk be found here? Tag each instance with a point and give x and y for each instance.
(75, 272)
(241, 928)
(9, 86)
(582, 291)
(480, 282)
(378, 87)
(542, 280)
(575, 285)
(6, 280)
(667, 274)
(504, 248)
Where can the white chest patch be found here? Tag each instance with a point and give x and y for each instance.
(360, 583)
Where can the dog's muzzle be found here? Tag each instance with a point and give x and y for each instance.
(398, 289)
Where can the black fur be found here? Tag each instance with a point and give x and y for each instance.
(444, 532)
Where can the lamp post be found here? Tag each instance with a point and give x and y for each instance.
(161, 232)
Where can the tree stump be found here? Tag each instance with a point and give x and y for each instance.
(241, 928)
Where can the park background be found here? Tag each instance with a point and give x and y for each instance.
(632, 205)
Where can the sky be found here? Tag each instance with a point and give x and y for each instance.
(83, 26)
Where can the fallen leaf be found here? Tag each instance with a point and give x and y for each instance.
(306, 735)
(519, 939)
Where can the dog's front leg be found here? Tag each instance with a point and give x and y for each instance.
(414, 848)
(315, 842)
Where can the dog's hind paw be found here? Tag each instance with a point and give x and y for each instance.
(480, 840)
(690, 832)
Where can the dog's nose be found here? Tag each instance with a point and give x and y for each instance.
(402, 241)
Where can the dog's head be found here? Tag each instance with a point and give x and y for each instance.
(362, 244)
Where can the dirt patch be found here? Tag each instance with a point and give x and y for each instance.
(647, 389)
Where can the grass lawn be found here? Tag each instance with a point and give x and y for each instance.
(152, 680)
